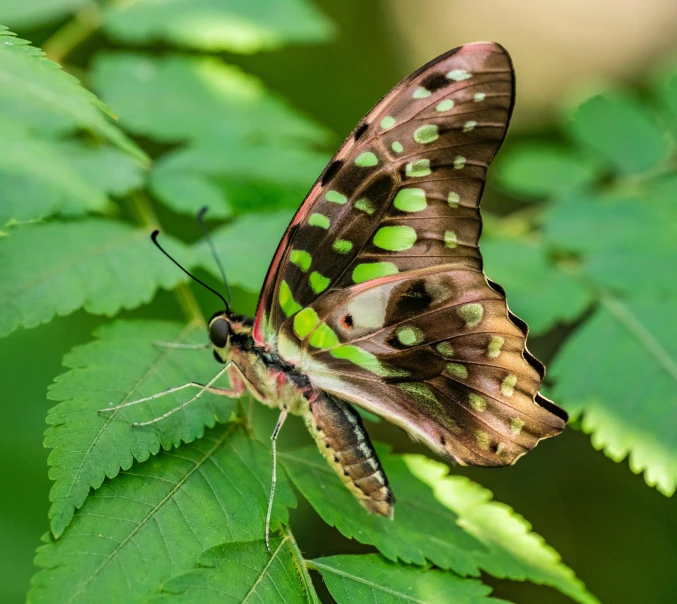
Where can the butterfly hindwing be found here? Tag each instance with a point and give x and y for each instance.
(376, 292)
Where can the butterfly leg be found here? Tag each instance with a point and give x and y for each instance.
(273, 438)
(343, 441)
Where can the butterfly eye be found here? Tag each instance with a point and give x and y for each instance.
(219, 330)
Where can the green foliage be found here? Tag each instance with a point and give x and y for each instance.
(175, 510)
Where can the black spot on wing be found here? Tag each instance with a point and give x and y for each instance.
(330, 171)
(435, 81)
(360, 130)
(414, 300)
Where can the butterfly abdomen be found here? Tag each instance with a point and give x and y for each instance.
(345, 444)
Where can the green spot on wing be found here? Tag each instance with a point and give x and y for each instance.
(418, 168)
(304, 322)
(453, 199)
(301, 259)
(365, 206)
(445, 349)
(318, 282)
(286, 300)
(445, 105)
(395, 238)
(421, 93)
(366, 160)
(373, 270)
(342, 246)
(459, 74)
(410, 200)
(397, 147)
(426, 134)
(324, 337)
(366, 360)
(477, 402)
(335, 197)
(471, 313)
(408, 336)
(319, 220)
(457, 370)
(450, 239)
(387, 122)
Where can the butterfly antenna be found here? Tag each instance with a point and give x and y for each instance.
(210, 242)
(202, 283)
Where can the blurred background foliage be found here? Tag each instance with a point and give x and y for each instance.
(240, 104)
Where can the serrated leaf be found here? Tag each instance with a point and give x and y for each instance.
(178, 98)
(513, 551)
(239, 572)
(101, 266)
(35, 91)
(621, 131)
(237, 26)
(627, 393)
(540, 170)
(540, 292)
(371, 579)
(235, 174)
(123, 365)
(423, 529)
(245, 248)
(29, 13)
(626, 243)
(153, 521)
(37, 179)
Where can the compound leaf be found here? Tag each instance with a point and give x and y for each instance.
(57, 268)
(153, 521)
(513, 550)
(627, 391)
(123, 364)
(237, 26)
(374, 580)
(424, 530)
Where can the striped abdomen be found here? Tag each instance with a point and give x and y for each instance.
(345, 444)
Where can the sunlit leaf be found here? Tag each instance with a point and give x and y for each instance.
(245, 26)
(35, 91)
(371, 579)
(123, 365)
(153, 521)
(514, 551)
(187, 98)
(423, 529)
(231, 573)
(539, 291)
(57, 268)
(621, 131)
(620, 371)
(538, 170)
(29, 13)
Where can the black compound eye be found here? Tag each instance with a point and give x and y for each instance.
(219, 329)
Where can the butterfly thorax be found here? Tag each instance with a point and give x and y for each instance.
(268, 377)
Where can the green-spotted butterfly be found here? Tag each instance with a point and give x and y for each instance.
(376, 296)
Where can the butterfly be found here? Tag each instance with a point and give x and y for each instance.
(376, 297)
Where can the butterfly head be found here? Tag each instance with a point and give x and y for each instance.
(228, 331)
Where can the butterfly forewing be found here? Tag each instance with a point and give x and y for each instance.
(377, 291)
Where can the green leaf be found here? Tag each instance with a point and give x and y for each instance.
(513, 551)
(540, 170)
(123, 365)
(239, 572)
(370, 579)
(37, 179)
(29, 13)
(626, 387)
(423, 529)
(621, 131)
(212, 25)
(152, 522)
(35, 91)
(178, 98)
(229, 174)
(540, 292)
(627, 243)
(245, 247)
(101, 266)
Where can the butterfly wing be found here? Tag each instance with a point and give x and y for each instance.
(376, 291)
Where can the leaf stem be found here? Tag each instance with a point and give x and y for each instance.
(301, 565)
(83, 24)
(143, 210)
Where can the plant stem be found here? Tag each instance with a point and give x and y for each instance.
(142, 208)
(83, 24)
(301, 565)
